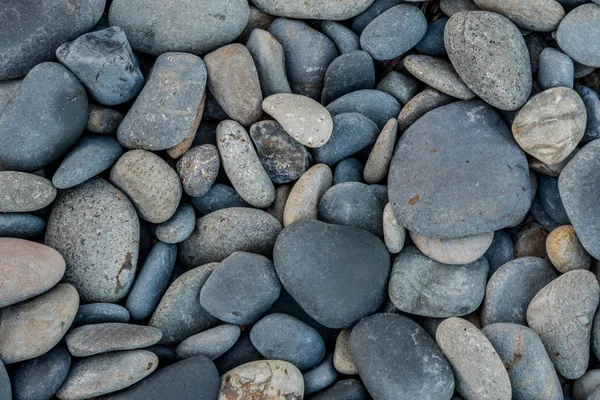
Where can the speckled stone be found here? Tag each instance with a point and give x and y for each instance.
(451, 7)
(198, 169)
(348, 170)
(555, 69)
(94, 339)
(21, 225)
(360, 22)
(179, 227)
(348, 73)
(320, 377)
(179, 149)
(314, 9)
(461, 250)
(578, 34)
(591, 99)
(419, 105)
(211, 343)
(303, 201)
(380, 157)
(501, 251)
(269, 59)
(394, 234)
(41, 377)
(565, 250)
(432, 43)
(23, 192)
(401, 87)
(98, 313)
(103, 120)
(378, 106)
(540, 15)
(439, 74)
(344, 39)
(218, 197)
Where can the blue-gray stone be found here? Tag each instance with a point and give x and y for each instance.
(283, 337)
(98, 313)
(381, 192)
(432, 43)
(555, 69)
(211, 343)
(243, 287)
(501, 251)
(348, 170)
(242, 352)
(218, 197)
(352, 204)
(45, 116)
(89, 157)
(348, 73)
(591, 99)
(347, 389)
(360, 22)
(581, 71)
(269, 59)
(578, 34)
(535, 45)
(344, 39)
(165, 355)
(179, 227)
(21, 225)
(392, 366)
(338, 274)
(320, 376)
(537, 211)
(401, 87)
(376, 105)
(5, 387)
(151, 283)
(451, 7)
(550, 199)
(352, 132)
(198, 169)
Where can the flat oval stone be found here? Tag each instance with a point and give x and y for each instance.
(565, 250)
(439, 74)
(218, 197)
(394, 234)
(320, 377)
(378, 163)
(531, 241)
(578, 34)
(351, 263)
(591, 99)
(88, 158)
(243, 287)
(475, 158)
(23, 192)
(529, 368)
(103, 120)
(476, 58)
(463, 250)
(501, 251)
(394, 32)
(33, 327)
(301, 117)
(107, 373)
(347, 389)
(422, 286)
(432, 43)
(348, 73)
(211, 343)
(189, 26)
(303, 200)
(96, 229)
(392, 367)
(401, 87)
(555, 69)
(562, 314)
(314, 9)
(345, 40)
(540, 16)
(21, 225)
(179, 227)
(46, 114)
(151, 184)
(269, 59)
(419, 105)
(478, 370)
(198, 169)
(97, 313)
(376, 105)
(94, 339)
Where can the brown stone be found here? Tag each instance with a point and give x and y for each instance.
(566, 251)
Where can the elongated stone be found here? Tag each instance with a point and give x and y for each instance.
(23, 192)
(304, 198)
(94, 339)
(439, 74)
(314, 9)
(269, 59)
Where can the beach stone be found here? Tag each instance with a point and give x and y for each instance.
(475, 58)
(578, 34)
(529, 368)
(392, 367)
(23, 192)
(378, 163)
(535, 46)
(432, 43)
(345, 40)
(555, 69)
(394, 32)
(561, 314)
(32, 31)
(501, 251)
(439, 74)
(550, 199)
(240, 229)
(242, 352)
(478, 370)
(283, 337)
(304, 119)
(33, 327)
(541, 217)
(342, 356)
(233, 80)
(348, 73)
(348, 170)
(314, 9)
(46, 114)
(360, 22)
(451, 7)
(21, 225)
(283, 158)
(94, 339)
(378, 106)
(257, 19)
(422, 286)
(346, 389)
(456, 251)
(308, 53)
(179, 314)
(352, 253)
(586, 385)
(551, 124)
(211, 343)
(218, 197)
(243, 287)
(97, 313)
(591, 99)
(41, 377)
(179, 227)
(105, 64)
(394, 234)
(151, 184)
(320, 377)
(269, 59)
(278, 207)
(268, 379)
(198, 169)
(103, 120)
(419, 105)
(304, 198)
(512, 287)
(531, 241)
(88, 158)
(565, 250)
(401, 87)
(478, 145)
(550, 170)
(540, 16)
(96, 229)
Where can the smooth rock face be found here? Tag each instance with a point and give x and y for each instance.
(461, 250)
(584, 387)
(439, 74)
(432, 43)
(348, 170)
(342, 356)
(401, 87)
(198, 169)
(392, 367)
(555, 69)
(551, 124)
(377, 165)
(102, 120)
(211, 343)
(23, 192)
(348, 73)
(501, 251)
(45, 116)
(96, 229)
(475, 158)
(394, 234)
(344, 389)
(451, 7)
(478, 370)
(218, 197)
(429, 99)
(269, 59)
(33, 30)
(21, 225)
(578, 34)
(549, 196)
(314, 9)
(360, 22)
(168, 108)
(531, 241)
(538, 15)
(97, 313)
(591, 100)
(376, 105)
(529, 368)
(33, 327)
(512, 287)
(179, 227)
(303, 201)
(189, 26)
(103, 338)
(345, 40)
(351, 263)
(278, 207)
(475, 57)
(561, 314)
(422, 286)
(321, 376)
(565, 250)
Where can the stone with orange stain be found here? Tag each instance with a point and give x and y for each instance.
(566, 251)
(531, 241)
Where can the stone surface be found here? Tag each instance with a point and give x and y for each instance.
(578, 34)
(501, 251)
(97, 313)
(242, 352)
(347, 73)
(303, 201)
(23, 192)
(432, 43)
(103, 120)
(198, 169)
(565, 250)
(211, 343)
(451, 7)
(314, 9)
(419, 105)
(378, 163)
(344, 39)
(320, 377)
(348, 170)
(278, 207)
(586, 385)
(179, 227)
(218, 197)
(555, 69)
(342, 356)
(591, 99)
(378, 106)
(531, 241)
(258, 19)
(550, 200)
(462, 250)
(401, 87)
(269, 59)
(439, 74)
(360, 22)
(343, 390)
(89, 340)
(394, 234)
(538, 15)
(21, 225)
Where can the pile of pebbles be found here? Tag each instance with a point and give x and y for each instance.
(281, 199)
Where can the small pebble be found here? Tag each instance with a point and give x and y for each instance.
(432, 43)
(269, 59)
(419, 105)
(451, 7)
(501, 251)
(344, 39)
(348, 73)
(439, 74)
(342, 356)
(380, 157)
(550, 200)
(98, 313)
(347, 389)
(376, 105)
(591, 99)
(314, 9)
(304, 198)
(578, 34)
(89, 340)
(555, 69)
(586, 385)
(198, 169)
(103, 120)
(211, 343)
(320, 377)
(531, 241)
(348, 170)
(218, 197)
(21, 225)
(179, 227)
(565, 250)
(401, 87)
(23, 192)
(540, 16)
(278, 207)
(394, 234)
(456, 251)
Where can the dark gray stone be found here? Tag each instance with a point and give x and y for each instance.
(89, 340)
(360, 22)
(555, 69)
(432, 43)
(578, 34)
(179, 227)
(218, 197)
(269, 59)
(451, 7)
(314, 9)
(348, 73)
(348, 170)
(550, 199)
(320, 376)
(400, 86)
(344, 39)
(242, 352)
(98, 313)
(535, 46)
(198, 169)
(500, 252)
(103, 120)
(591, 99)
(429, 99)
(21, 225)
(347, 389)
(378, 106)
(211, 343)
(23, 192)
(537, 211)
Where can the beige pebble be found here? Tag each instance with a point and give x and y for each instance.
(303, 201)
(566, 251)
(463, 250)
(342, 357)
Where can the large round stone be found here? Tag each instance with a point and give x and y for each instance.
(578, 34)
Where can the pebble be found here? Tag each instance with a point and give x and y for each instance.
(269, 59)
(422, 286)
(49, 105)
(258, 19)
(218, 197)
(96, 229)
(98, 313)
(103, 120)
(478, 369)
(586, 385)
(565, 250)
(394, 234)
(168, 108)
(347, 389)
(535, 46)
(278, 207)
(431, 201)
(351, 263)
(94, 339)
(360, 22)
(578, 34)
(23, 192)
(31, 328)
(392, 367)
(432, 43)
(105, 64)
(88, 158)
(402, 87)
(240, 229)
(540, 16)
(555, 69)
(304, 198)
(439, 74)
(150, 183)
(501, 251)
(476, 58)
(561, 314)
(242, 352)
(211, 343)
(348, 170)
(541, 217)
(198, 169)
(451, 7)
(550, 199)
(342, 356)
(456, 251)
(283, 158)
(345, 40)
(21, 225)
(531, 241)
(320, 377)
(419, 105)
(243, 287)
(591, 99)
(314, 9)
(378, 106)
(179, 227)
(301, 117)
(179, 314)
(347, 73)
